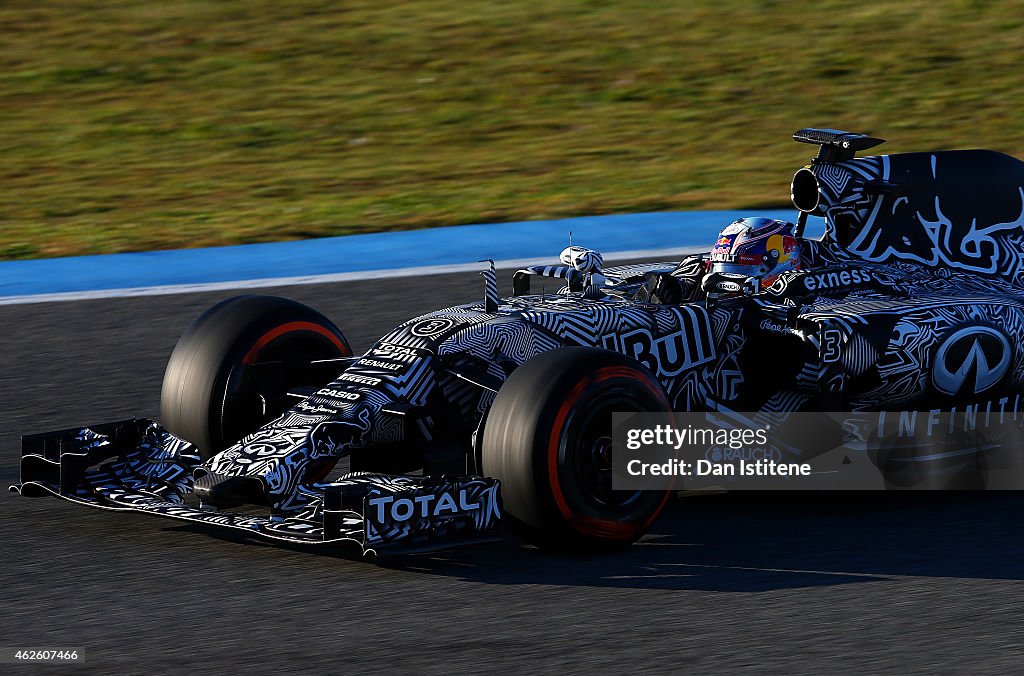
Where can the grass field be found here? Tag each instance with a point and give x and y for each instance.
(140, 125)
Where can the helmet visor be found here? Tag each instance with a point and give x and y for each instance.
(745, 269)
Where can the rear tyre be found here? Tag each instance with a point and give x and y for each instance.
(547, 438)
(231, 369)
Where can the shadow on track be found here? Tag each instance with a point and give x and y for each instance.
(758, 542)
(744, 542)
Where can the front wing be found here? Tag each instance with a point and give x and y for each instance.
(139, 466)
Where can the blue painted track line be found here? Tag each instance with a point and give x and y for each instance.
(346, 257)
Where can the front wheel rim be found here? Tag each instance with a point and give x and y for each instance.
(588, 452)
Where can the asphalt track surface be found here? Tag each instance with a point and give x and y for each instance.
(724, 583)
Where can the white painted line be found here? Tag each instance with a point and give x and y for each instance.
(424, 271)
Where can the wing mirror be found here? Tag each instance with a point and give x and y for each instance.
(581, 269)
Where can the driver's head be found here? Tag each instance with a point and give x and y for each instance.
(761, 248)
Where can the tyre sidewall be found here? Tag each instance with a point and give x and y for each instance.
(528, 434)
(210, 355)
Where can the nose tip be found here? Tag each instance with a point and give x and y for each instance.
(221, 491)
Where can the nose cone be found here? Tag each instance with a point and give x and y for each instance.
(286, 452)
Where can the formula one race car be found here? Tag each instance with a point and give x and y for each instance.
(500, 410)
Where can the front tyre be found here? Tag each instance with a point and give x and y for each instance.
(232, 368)
(548, 439)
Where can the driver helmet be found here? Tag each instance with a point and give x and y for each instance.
(761, 248)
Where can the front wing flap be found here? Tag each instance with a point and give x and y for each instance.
(137, 465)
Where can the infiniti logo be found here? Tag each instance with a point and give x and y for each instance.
(971, 360)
